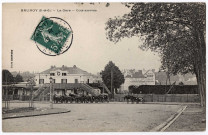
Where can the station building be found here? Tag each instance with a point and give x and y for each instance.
(66, 80)
(64, 75)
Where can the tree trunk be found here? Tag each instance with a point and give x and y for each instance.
(116, 90)
(199, 86)
(201, 65)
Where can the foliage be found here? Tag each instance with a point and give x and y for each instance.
(118, 77)
(132, 87)
(7, 77)
(18, 78)
(166, 28)
(25, 75)
(175, 30)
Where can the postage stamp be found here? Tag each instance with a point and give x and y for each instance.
(53, 36)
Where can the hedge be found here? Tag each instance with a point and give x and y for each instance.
(163, 89)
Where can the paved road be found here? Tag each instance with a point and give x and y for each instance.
(110, 117)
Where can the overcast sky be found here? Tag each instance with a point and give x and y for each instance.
(90, 49)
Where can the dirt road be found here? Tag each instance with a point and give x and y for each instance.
(107, 117)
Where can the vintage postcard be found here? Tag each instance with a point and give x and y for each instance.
(104, 67)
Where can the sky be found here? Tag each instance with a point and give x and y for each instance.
(90, 49)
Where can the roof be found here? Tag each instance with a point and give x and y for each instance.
(70, 70)
(27, 86)
(138, 74)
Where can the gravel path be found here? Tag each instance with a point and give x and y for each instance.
(110, 117)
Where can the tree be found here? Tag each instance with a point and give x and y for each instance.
(118, 77)
(175, 30)
(132, 88)
(7, 77)
(18, 78)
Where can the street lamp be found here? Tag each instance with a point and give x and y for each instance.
(51, 102)
(31, 92)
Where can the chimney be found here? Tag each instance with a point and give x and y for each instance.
(62, 67)
(74, 66)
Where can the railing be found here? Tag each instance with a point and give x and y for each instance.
(106, 88)
(66, 85)
(88, 89)
(44, 97)
(42, 93)
(16, 97)
(40, 90)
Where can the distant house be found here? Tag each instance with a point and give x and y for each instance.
(140, 77)
(187, 79)
(64, 75)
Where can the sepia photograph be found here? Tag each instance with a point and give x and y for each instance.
(104, 67)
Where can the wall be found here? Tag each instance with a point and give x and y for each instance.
(137, 82)
(148, 79)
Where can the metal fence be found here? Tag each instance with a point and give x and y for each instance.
(117, 97)
(16, 97)
(8, 101)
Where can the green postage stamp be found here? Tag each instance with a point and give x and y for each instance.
(53, 36)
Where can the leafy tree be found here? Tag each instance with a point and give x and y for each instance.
(7, 77)
(132, 88)
(118, 77)
(175, 30)
(18, 78)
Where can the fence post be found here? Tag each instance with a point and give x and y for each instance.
(152, 98)
(165, 98)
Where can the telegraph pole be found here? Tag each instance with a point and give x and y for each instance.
(31, 93)
(6, 102)
(112, 91)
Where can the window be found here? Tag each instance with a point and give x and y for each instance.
(149, 75)
(63, 80)
(41, 81)
(52, 74)
(63, 74)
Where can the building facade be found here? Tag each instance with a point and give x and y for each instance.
(139, 77)
(64, 74)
